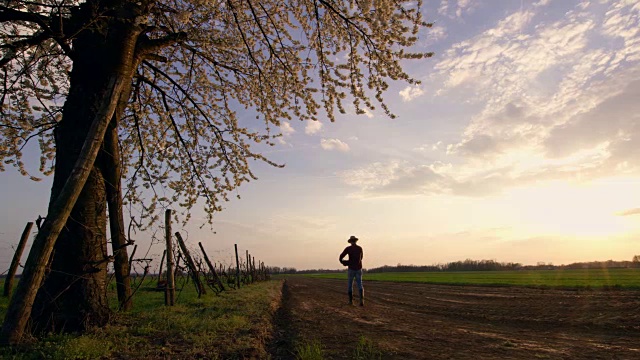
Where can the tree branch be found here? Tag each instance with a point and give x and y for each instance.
(148, 46)
(16, 46)
(9, 14)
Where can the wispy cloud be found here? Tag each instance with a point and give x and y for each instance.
(410, 92)
(552, 91)
(334, 144)
(286, 130)
(456, 8)
(401, 178)
(557, 99)
(435, 34)
(629, 212)
(312, 127)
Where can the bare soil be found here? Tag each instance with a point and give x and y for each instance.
(423, 321)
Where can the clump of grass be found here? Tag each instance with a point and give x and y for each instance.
(366, 350)
(309, 351)
(85, 347)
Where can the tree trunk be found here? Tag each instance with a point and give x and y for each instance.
(73, 296)
(21, 304)
(112, 173)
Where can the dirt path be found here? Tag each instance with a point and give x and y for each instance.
(421, 321)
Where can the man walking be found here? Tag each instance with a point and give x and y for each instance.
(354, 267)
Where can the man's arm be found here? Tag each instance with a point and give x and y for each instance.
(344, 253)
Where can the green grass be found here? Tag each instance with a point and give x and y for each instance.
(587, 278)
(366, 350)
(233, 325)
(311, 350)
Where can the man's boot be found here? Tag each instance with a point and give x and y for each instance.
(350, 298)
(361, 297)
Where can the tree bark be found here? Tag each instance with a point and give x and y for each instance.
(112, 172)
(73, 296)
(60, 209)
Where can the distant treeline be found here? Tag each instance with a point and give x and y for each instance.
(492, 265)
(609, 264)
(466, 265)
(473, 265)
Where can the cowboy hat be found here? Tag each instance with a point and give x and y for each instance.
(352, 239)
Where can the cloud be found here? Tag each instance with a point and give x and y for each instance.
(410, 92)
(428, 147)
(456, 8)
(553, 100)
(629, 212)
(557, 98)
(286, 129)
(435, 34)
(312, 127)
(334, 144)
(401, 178)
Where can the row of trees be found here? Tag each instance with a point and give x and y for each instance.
(466, 265)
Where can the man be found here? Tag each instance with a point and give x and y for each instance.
(354, 267)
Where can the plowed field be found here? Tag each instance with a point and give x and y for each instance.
(422, 321)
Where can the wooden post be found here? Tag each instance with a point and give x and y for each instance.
(164, 253)
(170, 289)
(237, 267)
(253, 266)
(211, 267)
(135, 247)
(8, 282)
(191, 265)
(249, 277)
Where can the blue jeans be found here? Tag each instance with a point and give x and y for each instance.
(354, 274)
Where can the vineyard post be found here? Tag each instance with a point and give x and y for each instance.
(170, 290)
(253, 266)
(176, 266)
(249, 277)
(135, 247)
(191, 265)
(237, 267)
(164, 253)
(211, 267)
(8, 283)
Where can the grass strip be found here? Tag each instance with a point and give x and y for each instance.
(234, 325)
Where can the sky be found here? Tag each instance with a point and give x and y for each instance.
(521, 144)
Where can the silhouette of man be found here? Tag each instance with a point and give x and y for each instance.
(354, 269)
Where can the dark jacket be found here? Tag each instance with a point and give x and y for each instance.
(355, 256)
